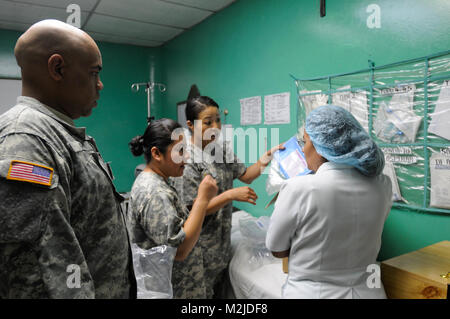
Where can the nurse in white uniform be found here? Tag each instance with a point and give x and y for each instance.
(330, 223)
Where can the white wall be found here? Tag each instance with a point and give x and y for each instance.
(9, 91)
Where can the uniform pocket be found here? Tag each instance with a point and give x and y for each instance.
(21, 212)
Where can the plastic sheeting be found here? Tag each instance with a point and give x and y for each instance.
(405, 107)
(253, 273)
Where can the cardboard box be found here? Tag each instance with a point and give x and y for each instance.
(285, 264)
(421, 274)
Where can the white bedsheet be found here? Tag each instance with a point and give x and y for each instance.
(247, 280)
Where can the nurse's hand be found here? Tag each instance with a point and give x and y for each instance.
(207, 188)
(267, 157)
(243, 194)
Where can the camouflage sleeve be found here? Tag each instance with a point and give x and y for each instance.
(161, 221)
(187, 185)
(38, 248)
(237, 166)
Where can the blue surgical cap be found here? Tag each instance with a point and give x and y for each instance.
(338, 137)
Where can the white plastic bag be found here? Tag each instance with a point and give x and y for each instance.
(275, 178)
(153, 271)
(396, 125)
(254, 231)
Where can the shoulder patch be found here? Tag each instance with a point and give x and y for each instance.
(30, 172)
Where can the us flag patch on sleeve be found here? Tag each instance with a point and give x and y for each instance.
(30, 172)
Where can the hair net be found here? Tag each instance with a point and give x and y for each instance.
(338, 136)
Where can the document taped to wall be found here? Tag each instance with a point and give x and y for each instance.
(440, 180)
(251, 110)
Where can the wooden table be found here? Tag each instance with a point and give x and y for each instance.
(421, 274)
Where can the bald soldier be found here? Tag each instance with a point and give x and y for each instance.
(62, 232)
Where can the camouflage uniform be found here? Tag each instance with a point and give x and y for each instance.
(215, 238)
(75, 220)
(156, 218)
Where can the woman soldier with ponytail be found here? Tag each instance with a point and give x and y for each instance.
(158, 216)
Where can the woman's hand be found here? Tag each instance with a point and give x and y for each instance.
(267, 157)
(243, 194)
(207, 188)
(258, 168)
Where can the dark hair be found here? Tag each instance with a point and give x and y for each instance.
(196, 105)
(158, 134)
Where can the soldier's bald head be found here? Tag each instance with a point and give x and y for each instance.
(48, 37)
(57, 61)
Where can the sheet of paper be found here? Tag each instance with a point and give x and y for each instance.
(313, 101)
(440, 180)
(277, 108)
(402, 97)
(440, 119)
(342, 99)
(360, 109)
(251, 110)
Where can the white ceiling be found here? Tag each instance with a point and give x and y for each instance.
(139, 22)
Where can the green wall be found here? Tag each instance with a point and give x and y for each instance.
(8, 65)
(251, 47)
(121, 113)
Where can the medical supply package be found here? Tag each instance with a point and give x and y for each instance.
(254, 231)
(291, 160)
(440, 180)
(286, 164)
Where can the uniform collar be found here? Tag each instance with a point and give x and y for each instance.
(156, 176)
(66, 121)
(327, 166)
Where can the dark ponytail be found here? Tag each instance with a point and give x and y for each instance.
(137, 145)
(196, 105)
(158, 134)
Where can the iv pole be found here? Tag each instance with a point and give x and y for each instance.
(149, 86)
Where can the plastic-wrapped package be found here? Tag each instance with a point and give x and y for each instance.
(291, 159)
(153, 271)
(275, 178)
(285, 164)
(246, 279)
(254, 231)
(396, 125)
